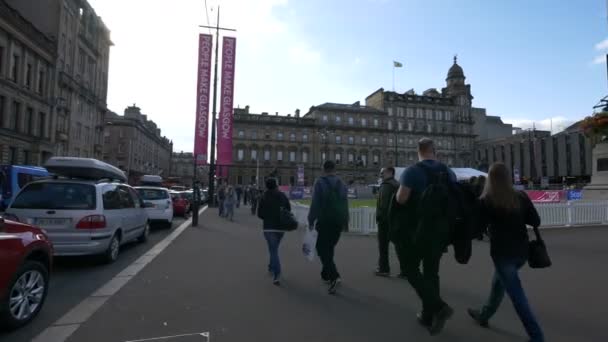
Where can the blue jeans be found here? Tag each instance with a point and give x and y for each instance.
(274, 240)
(506, 278)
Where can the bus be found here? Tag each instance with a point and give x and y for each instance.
(15, 177)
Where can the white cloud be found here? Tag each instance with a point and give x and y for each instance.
(603, 45)
(599, 60)
(556, 124)
(301, 53)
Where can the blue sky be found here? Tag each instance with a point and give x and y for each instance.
(527, 61)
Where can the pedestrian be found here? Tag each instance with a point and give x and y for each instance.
(269, 209)
(387, 191)
(254, 197)
(328, 214)
(428, 232)
(229, 203)
(246, 195)
(506, 212)
(239, 194)
(221, 196)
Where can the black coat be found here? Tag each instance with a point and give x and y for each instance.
(270, 206)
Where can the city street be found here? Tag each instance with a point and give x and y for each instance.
(75, 278)
(212, 280)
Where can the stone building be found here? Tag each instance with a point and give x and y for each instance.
(27, 58)
(564, 157)
(80, 77)
(182, 170)
(134, 144)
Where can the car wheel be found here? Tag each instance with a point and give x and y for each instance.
(111, 253)
(25, 297)
(144, 235)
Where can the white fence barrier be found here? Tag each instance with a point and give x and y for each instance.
(576, 213)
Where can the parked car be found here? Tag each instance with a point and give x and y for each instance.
(204, 196)
(160, 204)
(26, 257)
(85, 209)
(181, 204)
(15, 177)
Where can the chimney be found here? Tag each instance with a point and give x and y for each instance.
(297, 113)
(247, 109)
(276, 113)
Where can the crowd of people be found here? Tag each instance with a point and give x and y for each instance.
(229, 197)
(420, 216)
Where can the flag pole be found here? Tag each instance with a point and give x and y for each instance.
(393, 76)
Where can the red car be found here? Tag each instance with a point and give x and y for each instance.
(181, 204)
(25, 266)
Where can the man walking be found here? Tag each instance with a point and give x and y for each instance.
(428, 237)
(221, 196)
(388, 188)
(328, 214)
(239, 194)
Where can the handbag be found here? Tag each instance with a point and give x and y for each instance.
(537, 252)
(287, 220)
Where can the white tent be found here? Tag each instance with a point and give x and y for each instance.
(462, 173)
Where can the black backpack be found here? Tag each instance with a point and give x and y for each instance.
(444, 214)
(334, 211)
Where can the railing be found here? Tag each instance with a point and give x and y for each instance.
(576, 213)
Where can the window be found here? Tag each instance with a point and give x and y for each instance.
(439, 115)
(41, 82)
(390, 141)
(410, 126)
(12, 155)
(240, 154)
(267, 135)
(448, 116)
(364, 122)
(126, 199)
(26, 157)
(376, 122)
(400, 125)
(323, 156)
(376, 159)
(411, 142)
(16, 117)
(325, 118)
(376, 141)
(364, 159)
(419, 113)
(351, 120)
(28, 76)
(363, 140)
(29, 120)
(292, 156)
(338, 139)
(241, 134)
(410, 112)
(390, 125)
(390, 111)
(338, 119)
(279, 155)
(429, 114)
(351, 158)
(15, 69)
(279, 135)
(56, 196)
(267, 155)
(400, 112)
(305, 137)
(351, 140)
(254, 155)
(429, 128)
(254, 134)
(338, 157)
(292, 137)
(304, 156)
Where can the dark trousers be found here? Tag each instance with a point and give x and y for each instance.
(383, 246)
(326, 243)
(425, 283)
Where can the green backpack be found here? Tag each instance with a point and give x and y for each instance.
(334, 210)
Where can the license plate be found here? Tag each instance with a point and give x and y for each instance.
(52, 221)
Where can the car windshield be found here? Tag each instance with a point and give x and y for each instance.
(58, 196)
(153, 194)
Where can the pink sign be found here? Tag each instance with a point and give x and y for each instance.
(201, 131)
(545, 196)
(225, 122)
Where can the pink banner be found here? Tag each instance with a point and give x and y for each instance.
(205, 42)
(545, 196)
(225, 122)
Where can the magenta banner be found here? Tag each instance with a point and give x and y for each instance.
(226, 119)
(201, 132)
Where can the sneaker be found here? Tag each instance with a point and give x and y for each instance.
(476, 316)
(382, 273)
(276, 280)
(440, 318)
(425, 321)
(333, 285)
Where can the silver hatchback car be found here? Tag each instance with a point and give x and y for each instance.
(83, 216)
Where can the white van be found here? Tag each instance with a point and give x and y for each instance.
(86, 208)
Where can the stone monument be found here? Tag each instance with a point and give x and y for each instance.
(598, 189)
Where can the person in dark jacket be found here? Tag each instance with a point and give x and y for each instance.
(269, 211)
(505, 212)
(329, 218)
(387, 191)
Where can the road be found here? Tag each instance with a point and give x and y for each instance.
(75, 278)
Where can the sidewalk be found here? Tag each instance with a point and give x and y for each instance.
(212, 279)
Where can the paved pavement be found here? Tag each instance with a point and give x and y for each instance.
(213, 280)
(75, 278)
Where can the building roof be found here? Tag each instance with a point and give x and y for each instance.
(15, 19)
(455, 71)
(494, 119)
(355, 107)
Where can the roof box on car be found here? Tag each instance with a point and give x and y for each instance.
(153, 180)
(84, 168)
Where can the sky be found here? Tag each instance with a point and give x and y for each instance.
(530, 62)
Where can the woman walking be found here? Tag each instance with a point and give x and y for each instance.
(269, 210)
(229, 203)
(505, 212)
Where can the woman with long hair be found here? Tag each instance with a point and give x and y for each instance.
(269, 210)
(505, 213)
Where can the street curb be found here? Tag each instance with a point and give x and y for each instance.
(65, 326)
